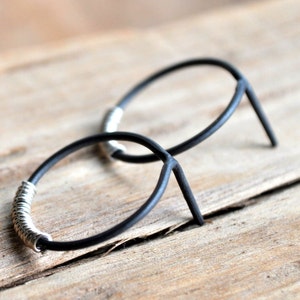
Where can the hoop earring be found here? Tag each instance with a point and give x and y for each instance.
(40, 241)
(113, 116)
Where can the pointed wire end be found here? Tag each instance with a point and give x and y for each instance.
(274, 142)
(273, 139)
(200, 221)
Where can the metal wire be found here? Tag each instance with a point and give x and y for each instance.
(38, 241)
(243, 87)
(110, 124)
(21, 218)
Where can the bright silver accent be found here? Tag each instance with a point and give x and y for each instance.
(21, 218)
(110, 123)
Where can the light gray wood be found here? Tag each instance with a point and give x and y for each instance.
(59, 96)
(249, 254)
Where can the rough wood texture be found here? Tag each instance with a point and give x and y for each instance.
(60, 95)
(239, 256)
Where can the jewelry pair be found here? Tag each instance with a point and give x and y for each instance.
(109, 143)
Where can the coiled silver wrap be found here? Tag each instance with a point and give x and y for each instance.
(21, 218)
(110, 123)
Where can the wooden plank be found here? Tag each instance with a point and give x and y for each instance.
(249, 254)
(49, 103)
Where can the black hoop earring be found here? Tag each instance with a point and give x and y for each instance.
(113, 116)
(40, 241)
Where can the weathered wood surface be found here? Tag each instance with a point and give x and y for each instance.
(60, 96)
(243, 255)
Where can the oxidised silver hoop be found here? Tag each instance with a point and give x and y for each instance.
(113, 117)
(39, 241)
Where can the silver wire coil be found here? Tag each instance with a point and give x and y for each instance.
(21, 218)
(110, 123)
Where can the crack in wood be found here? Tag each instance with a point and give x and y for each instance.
(127, 243)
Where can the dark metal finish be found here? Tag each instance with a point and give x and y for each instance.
(243, 87)
(40, 241)
(169, 165)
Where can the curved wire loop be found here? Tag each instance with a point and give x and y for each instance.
(39, 241)
(113, 117)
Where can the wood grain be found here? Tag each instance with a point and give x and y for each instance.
(60, 96)
(249, 254)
